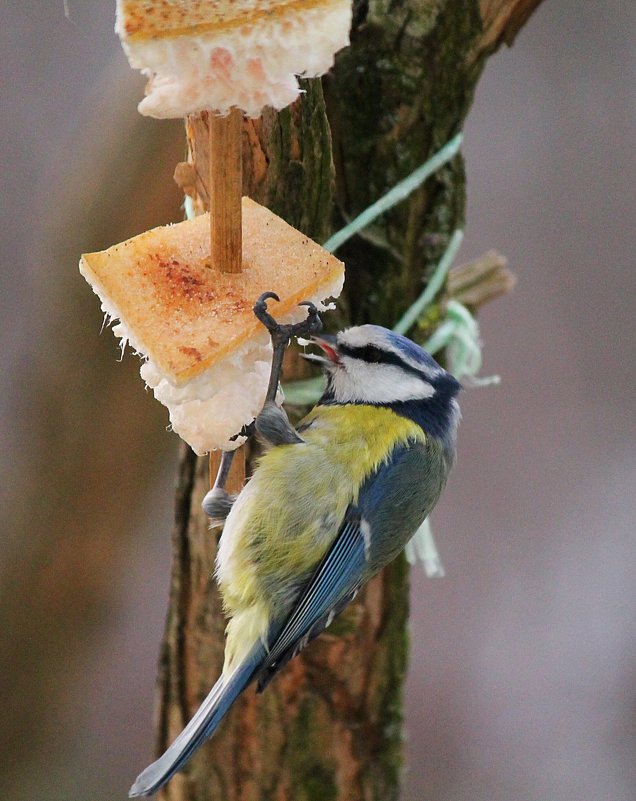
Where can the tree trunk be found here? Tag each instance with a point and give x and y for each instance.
(330, 726)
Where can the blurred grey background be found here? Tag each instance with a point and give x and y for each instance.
(523, 666)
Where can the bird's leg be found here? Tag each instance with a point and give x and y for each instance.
(272, 422)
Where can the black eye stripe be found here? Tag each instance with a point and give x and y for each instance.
(374, 355)
(371, 354)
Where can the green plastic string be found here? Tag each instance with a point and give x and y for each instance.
(421, 548)
(396, 195)
(411, 315)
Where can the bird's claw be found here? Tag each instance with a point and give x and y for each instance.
(312, 324)
(281, 331)
(260, 310)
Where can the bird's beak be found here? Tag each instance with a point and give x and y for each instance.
(327, 343)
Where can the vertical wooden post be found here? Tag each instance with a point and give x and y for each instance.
(329, 726)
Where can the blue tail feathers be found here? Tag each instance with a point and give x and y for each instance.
(201, 727)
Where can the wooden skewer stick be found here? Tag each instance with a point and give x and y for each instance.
(234, 463)
(226, 189)
(226, 240)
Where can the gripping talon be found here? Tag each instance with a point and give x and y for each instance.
(260, 310)
(281, 335)
(262, 301)
(311, 325)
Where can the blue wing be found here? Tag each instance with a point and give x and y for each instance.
(330, 589)
(392, 504)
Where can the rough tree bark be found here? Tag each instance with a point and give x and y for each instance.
(330, 726)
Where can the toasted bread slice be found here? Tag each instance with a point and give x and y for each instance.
(215, 54)
(207, 356)
(185, 314)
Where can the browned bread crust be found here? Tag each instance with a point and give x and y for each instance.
(186, 315)
(162, 19)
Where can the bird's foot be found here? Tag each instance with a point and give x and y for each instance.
(217, 504)
(272, 425)
(282, 333)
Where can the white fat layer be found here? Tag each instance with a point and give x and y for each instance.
(214, 405)
(250, 67)
(356, 381)
(362, 335)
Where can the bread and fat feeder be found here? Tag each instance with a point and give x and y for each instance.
(207, 358)
(183, 294)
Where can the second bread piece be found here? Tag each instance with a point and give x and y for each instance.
(207, 356)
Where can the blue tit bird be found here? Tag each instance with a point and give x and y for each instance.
(328, 506)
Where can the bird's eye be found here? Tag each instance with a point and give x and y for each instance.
(372, 354)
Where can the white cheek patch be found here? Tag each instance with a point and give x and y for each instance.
(358, 381)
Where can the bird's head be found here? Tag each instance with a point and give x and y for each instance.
(369, 364)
